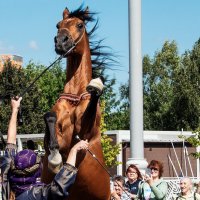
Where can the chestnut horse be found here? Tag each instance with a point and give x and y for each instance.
(77, 110)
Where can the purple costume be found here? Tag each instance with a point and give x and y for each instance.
(22, 177)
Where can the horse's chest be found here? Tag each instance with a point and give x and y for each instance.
(79, 111)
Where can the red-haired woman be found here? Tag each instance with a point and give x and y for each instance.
(154, 187)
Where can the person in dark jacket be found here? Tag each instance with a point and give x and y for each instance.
(134, 181)
(21, 171)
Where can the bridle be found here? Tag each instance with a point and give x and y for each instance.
(77, 40)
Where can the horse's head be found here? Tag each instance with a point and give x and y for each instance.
(71, 31)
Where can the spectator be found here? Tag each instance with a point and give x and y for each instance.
(153, 188)
(198, 188)
(30, 144)
(186, 190)
(118, 191)
(23, 169)
(134, 180)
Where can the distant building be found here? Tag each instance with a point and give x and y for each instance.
(163, 146)
(16, 60)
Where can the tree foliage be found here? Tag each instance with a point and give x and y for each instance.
(116, 107)
(50, 84)
(171, 89)
(110, 150)
(159, 79)
(12, 83)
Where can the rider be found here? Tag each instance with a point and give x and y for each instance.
(20, 171)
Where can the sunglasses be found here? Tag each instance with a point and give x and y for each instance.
(154, 168)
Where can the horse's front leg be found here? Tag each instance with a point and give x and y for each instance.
(89, 117)
(54, 159)
(59, 129)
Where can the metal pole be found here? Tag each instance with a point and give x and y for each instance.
(136, 85)
(173, 166)
(189, 162)
(177, 159)
(185, 161)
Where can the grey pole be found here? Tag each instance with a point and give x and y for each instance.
(136, 86)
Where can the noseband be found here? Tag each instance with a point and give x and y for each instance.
(74, 42)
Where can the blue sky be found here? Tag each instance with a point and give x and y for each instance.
(29, 26)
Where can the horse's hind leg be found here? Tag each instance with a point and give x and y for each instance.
(95, 88)
(54, 159)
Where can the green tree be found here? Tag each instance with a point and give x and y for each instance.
(195, 142)
(51, 83)
(12, 83)
(110, 150)
(117, 107)
(171, 90)
(159, 78)
(186, 102)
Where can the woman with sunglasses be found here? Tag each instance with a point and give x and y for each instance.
(134, 180)
(153, 188)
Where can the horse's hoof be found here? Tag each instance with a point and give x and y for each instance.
(95, 86)
(54, 161)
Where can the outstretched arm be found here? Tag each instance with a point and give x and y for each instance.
(10, 149)
(83, 144)
(12, 127)
(59, 187)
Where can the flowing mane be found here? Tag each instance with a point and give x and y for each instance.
(100, 57)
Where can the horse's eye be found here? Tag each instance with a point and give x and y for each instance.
(80, 26)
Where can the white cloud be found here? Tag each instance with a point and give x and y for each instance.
(33, 45)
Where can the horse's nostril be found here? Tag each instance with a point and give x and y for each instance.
(65, 39)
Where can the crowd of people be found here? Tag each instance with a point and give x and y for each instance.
(20, 172)
(145, 187)
(150, 185)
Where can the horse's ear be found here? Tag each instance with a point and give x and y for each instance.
(65, 13)
(86, 11)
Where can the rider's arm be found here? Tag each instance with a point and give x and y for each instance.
(10, 150)
(12, 127)
(66, 177)
(73, 152)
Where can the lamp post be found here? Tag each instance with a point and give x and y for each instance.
(136, 86)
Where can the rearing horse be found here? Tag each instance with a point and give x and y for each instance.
(77, 110)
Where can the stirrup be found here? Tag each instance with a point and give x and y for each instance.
(95, 86)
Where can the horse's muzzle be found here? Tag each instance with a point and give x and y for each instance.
(63, 42)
